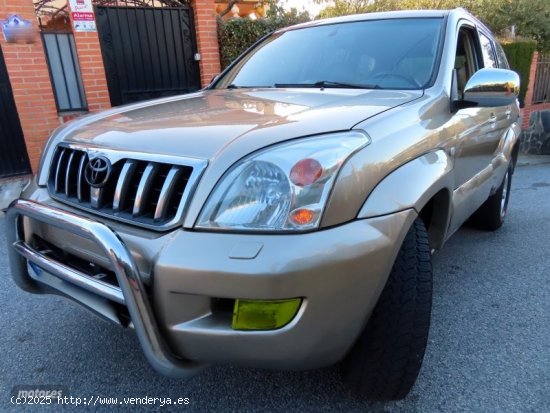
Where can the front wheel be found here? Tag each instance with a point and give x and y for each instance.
(386, 359)
(490, 216)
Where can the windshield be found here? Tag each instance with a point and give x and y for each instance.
(381, 54)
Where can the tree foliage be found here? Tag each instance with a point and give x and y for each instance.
(531, 18)
(344, 7)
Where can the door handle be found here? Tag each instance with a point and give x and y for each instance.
(508, 113)
(493, 119)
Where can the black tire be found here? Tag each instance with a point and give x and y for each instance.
(491, 215)
(386, 359)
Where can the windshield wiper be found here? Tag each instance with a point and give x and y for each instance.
(328, 84)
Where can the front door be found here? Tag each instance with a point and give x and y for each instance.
(479, 131)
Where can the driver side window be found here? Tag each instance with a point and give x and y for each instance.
(466, 63)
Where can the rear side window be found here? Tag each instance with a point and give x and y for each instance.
(501, 56)
(487, 50)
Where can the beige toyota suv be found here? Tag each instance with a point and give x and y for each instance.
(285, 216)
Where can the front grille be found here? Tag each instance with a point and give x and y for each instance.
(138, 191)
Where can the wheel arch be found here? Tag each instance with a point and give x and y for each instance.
(423, 184)
(510, 144)
(436, 214)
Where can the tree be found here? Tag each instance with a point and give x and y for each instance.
(531, 18)
(344, 7)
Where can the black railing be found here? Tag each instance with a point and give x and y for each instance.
(541, 91)
(64, 71)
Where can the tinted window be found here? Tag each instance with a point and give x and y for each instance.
(501, 56)
(487, 50)
(465, 60)
(392, 54)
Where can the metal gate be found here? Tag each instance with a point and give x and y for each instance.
(13, 152)
(148, 52)
(541, 91)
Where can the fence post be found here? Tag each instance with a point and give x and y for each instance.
(206, 27)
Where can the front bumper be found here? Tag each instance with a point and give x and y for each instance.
(132, 289)
(339, 273)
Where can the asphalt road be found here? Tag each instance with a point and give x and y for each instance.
(489, 347)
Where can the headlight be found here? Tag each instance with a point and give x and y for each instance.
(281, 188)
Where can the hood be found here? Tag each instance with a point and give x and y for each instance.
(202, 124)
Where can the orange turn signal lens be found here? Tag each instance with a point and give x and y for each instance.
(306, 172)
(302, 216)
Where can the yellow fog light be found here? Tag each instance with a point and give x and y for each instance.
(263, 314)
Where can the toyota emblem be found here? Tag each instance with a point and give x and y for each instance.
(97, 171)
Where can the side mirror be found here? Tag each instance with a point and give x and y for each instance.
(491, 87)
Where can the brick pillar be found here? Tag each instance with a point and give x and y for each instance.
(30, 81)
(92, 70)
(207, 38)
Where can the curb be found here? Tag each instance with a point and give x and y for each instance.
(530, 160)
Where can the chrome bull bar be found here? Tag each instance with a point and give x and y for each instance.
(132, 292)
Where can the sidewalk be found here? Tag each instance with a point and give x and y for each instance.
(10, 189)
(527, 160)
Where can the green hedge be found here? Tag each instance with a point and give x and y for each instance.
(237, 35)
(520, 55)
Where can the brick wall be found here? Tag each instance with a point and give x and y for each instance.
(529, 106)
(30, 81)
(207, 38)
(92, 70)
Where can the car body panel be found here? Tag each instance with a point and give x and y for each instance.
(410, 186)
(287, 266)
